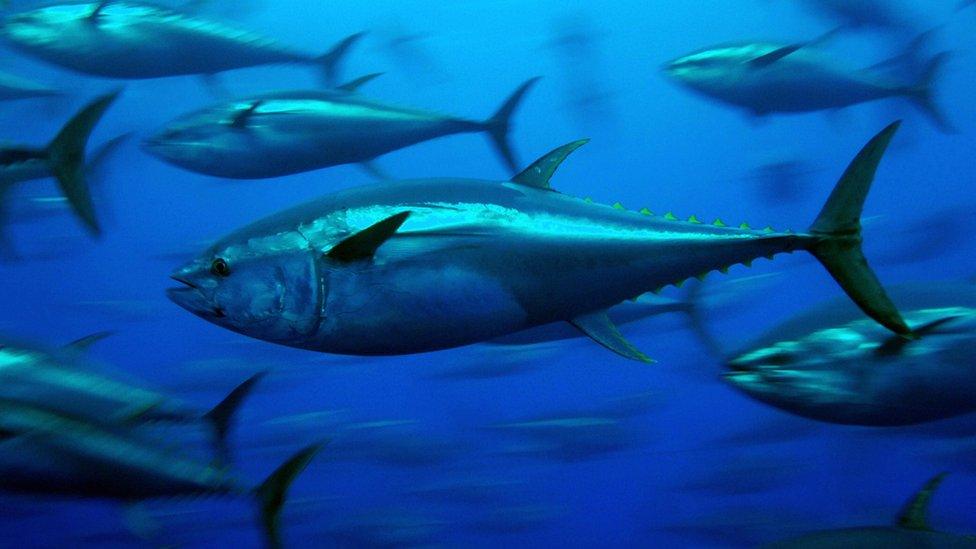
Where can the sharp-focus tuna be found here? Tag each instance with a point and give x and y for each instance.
(767, 77)
(129, 40)
(830, 365)
(291, 132)
(49, 454)
(423, 265)
(911, 529)
(63, 159)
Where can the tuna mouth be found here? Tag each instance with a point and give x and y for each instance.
(189, 297)
(740, 378)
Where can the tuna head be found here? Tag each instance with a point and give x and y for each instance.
(814, 377)
(213, 142)
(267, 287)
(726, 71)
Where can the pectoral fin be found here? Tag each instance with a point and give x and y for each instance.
(599, 328)
(768, 59)
(363, 245)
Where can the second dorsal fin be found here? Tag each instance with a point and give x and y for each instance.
(540, 172)
(915, 514)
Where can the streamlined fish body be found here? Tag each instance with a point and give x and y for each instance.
(291, 132)
(431, 264)
(129, 40)
(48, 453)
(14, 87)
(910, 530)
(767, 77)
(831, 366)
(61, 382)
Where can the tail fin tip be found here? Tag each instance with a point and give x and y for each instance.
(66, 154)
(499, 125)
(271, 494)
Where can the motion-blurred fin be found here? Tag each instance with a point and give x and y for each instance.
(66, 157)
(895, 345)
(915, 514)
(363, 245)
(500, 124)
(221, 417)
(598, 327)
(96, 13)
(84, 344)
(540, 173)
(242, 118)
(774, 56)
(354, 85)
(331, 61)
(271, 494)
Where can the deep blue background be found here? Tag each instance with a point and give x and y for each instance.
(655, 146)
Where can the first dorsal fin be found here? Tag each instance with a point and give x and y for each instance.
(354, 85)
(915, 514)
(363, 245)
(96, 13)
(540, 172)
(598, 327)
(243, 117)
(896, 344)
(775, 55)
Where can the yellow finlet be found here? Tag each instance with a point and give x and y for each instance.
(719, 223)
(670, 217)
(694, 219)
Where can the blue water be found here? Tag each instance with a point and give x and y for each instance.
(653, 144)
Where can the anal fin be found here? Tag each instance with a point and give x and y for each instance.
(598, 327)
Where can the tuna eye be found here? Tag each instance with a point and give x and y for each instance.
(220, 268)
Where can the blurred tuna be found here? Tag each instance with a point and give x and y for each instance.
(291, 132)
(62, 159)
(575, 41)
(414, 266)
(15, 87)
(911, 529)
(766, 78)
(62, 382)
(32, 207)
(572, 438)
(129, 40)
(44, 453)
(883, 15)
(831, 366)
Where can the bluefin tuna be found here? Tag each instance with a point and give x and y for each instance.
(63, 159)
(769, 77)
(13, 87)
(44, 453)
(416, 266)
(130, 40)
(291, 132)
(62, 382)
(911, 529)
(829, 365)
